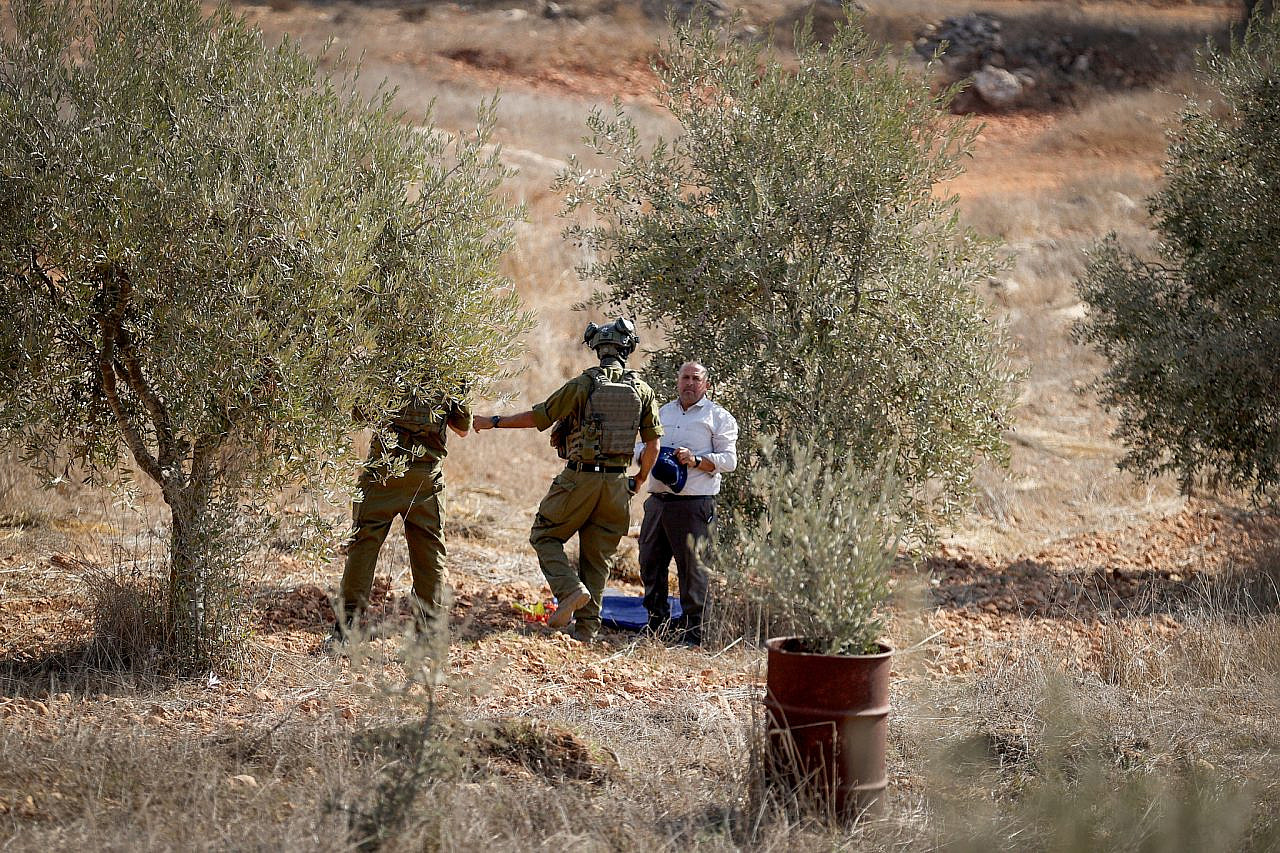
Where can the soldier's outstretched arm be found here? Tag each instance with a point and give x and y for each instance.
(523, 420)
(647, 457)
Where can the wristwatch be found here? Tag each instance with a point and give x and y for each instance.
(493, 421)
(697, 461)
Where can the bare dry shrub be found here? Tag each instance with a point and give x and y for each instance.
(1250, 588)
(127, 606)
(409, 754)
(126, 599)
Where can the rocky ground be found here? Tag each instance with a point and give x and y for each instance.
(1074, 594)
(1066, 564)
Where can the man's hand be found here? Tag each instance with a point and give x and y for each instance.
(648, 456)
(685, 456)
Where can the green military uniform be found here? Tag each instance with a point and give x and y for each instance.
(593, 504)
(420, 429)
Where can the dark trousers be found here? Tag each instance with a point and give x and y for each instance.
(675, 527)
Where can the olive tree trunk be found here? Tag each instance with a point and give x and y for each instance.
(191, 544)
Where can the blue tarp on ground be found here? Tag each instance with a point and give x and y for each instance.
(626, 612)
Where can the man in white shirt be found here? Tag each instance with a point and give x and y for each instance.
(704, 437)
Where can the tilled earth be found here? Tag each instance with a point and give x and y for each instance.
(1073, 594)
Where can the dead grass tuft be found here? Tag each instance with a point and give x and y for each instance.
(127, 603)
(1245, 588)
(548, 749)
(1127, 124)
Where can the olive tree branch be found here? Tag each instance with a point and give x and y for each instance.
(109, 322)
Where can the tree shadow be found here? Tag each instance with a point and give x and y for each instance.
(473, 613)
(93, 666)
(1246, 587)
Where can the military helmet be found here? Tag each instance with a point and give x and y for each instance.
(621, 333)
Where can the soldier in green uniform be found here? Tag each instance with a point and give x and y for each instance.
(595, 415)
(419, 430)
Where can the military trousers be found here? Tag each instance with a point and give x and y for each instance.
(417, 496)
(676, 526)
(595, 506)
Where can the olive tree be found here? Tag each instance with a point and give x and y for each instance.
(1191, 330)
(1258, 8)
(792, 240)
(210, 257)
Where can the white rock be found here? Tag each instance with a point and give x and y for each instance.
(996, 86)
(1122, 201)
(1074, 312)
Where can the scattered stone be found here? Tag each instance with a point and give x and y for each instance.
(716, 10)
(1122, 201)
(246, 780)
(955, 38)
(1003, 286)
(1073, 312)
(997, 87)
(1052, 65)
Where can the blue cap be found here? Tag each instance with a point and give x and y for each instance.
(667, 470)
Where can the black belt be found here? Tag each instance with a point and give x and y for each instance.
(670, 496)
(592, 468)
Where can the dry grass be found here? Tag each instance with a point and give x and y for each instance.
(1029, 754)
(1026, 752)
(1049, 190)
(1165, 745)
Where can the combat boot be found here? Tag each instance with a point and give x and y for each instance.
(564, 610)
(686, 631)
(341, 632)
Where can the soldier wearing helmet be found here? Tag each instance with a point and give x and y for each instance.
(597, 417)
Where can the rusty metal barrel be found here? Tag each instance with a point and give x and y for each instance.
(828, 724)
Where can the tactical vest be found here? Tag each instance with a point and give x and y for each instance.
(421, 424)
(609, 421)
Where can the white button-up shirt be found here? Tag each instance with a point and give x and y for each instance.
(707, 430)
